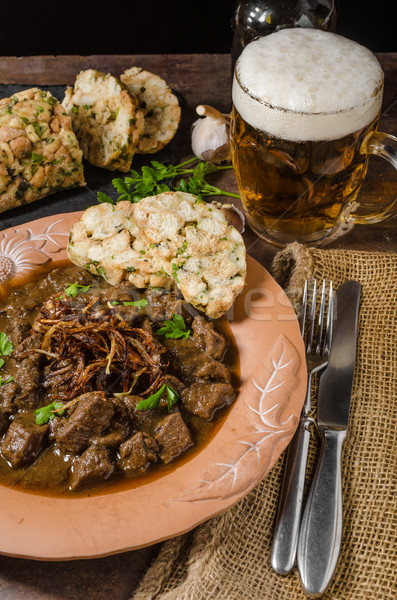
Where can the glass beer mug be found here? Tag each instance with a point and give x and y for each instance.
(306, 104)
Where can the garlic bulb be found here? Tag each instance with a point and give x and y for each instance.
(210, 135)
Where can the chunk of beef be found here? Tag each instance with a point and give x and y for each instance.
(137, 453)
(113, 438)
(130, 403)
(18, 328)
(142, 419)
(186, 358)
(30, 303)
(59, 279)
(174, 382)
(193, 364)
(27, 376)
(207, 338)
(31, 341)
(173, 437)
(23, 440)
(8, 393)
(53, 426)
(91, 417)
(213, 370)
(93, 465)
(203, 399)
(50, 470)
(162, 305)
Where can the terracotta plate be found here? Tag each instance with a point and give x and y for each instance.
(258, 427)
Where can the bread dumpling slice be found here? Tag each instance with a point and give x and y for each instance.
(105, 119)
(194, 244)
(103, 241)
(39, 153)
(160, 107)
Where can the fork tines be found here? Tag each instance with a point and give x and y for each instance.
(319, 331)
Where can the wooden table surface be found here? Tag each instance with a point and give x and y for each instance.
(197, 79)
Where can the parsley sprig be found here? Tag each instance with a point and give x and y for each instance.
(154, 400)
(175, 328)
(46, 413)
(6, 346)
(157, 178)
(138, 303)
(75, 288)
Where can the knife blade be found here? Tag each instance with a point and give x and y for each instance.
(336, 382)
(321, 527)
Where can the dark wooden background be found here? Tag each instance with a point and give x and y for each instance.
(158, 26)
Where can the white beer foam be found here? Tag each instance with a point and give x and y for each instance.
(307, 84)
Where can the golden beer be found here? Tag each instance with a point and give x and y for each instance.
(296, 190)
(303, 101)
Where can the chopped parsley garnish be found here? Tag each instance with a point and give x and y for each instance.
(37, 159)
(158, 178)
(75, 288)
(182, 248)
(6, 346)
(172, 396)
(174, 329)
(175, 272)
(51, 100)
(101, 271)
(40, 130)
(46, 413)
(138, 303)
(154, 400)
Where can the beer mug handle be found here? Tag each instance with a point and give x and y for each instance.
(384, 145)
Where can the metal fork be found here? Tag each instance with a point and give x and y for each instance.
(285, 539)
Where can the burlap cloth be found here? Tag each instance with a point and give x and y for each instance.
(228, 558)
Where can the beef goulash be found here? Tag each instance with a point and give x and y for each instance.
(102, 383)
(39, 152)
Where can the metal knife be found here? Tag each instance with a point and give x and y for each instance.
(321, 527)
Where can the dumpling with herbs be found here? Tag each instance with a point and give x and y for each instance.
(39, 153)
(171, 239)
(106, 119)
(159, 105)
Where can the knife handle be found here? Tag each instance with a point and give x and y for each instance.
(285, 538)
(321, 529)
